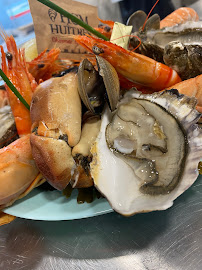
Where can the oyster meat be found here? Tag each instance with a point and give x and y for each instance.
(147, 152)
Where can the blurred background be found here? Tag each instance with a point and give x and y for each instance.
(16, 18)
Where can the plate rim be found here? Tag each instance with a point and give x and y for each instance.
(30, 216)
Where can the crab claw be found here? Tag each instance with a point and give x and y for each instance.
(56, 124)
(57, 169)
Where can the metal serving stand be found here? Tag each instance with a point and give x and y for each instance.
(161, 240)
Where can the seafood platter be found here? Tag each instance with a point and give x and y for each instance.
(120, 128)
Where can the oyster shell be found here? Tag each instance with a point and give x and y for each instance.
(147, 153)
(96, 86)
(185, 59)
(179, 47)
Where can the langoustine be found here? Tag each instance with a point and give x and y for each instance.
(105, 28)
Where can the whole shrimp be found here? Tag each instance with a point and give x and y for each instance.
(135, 67)
(25, 76)
(17, 72)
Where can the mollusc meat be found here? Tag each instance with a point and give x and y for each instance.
(147, 153)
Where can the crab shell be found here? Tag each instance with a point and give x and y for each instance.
(118, 177)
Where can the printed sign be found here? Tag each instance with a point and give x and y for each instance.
(55, 30)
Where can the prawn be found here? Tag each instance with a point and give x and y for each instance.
(192, 88)
(179, 16)
(25, 83)
(135, 67)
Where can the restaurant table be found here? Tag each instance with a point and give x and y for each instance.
(160, 240)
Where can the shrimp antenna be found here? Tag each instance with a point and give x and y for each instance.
(3, 32)
(149, 14)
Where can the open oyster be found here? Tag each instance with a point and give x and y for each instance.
(147, 152)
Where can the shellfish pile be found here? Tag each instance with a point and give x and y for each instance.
(141, 151)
